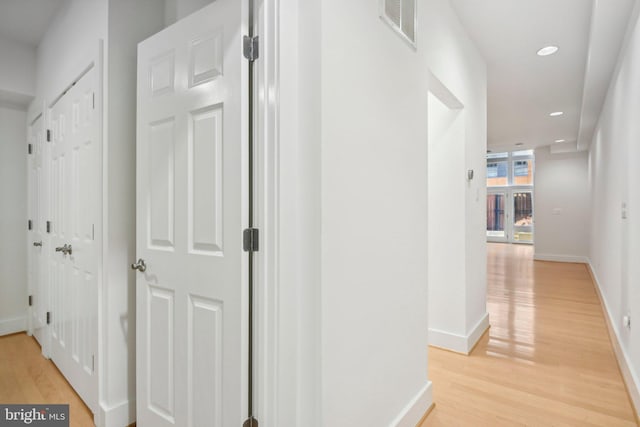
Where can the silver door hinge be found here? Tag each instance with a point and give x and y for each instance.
(250, 239)
(30, 149)
(93, 363)
(250, 47)
(48, 135)
(30, 300)
(48, 317)
(250, 422)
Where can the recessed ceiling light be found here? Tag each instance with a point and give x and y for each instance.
(518, 144)
(560, 140)
(556, 113)
(547, 50)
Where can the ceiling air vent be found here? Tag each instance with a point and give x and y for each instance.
(401, 16)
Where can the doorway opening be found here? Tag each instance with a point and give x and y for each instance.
(510, 202)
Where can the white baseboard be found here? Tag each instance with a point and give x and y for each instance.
(561, 258)
(13, 325)
(416, 409)
(629, 376)
(120, 415)
(459, 343)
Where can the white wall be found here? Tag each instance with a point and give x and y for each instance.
(457, 206)
(13, 217)
(129, 22)
(562, 206)
(175, 10)
(72, 38)
(374, 207)
(615, 179)
(374, 111)
(17, 73)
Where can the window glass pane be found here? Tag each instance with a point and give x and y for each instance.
(497, 155)
(495, 215)
(523, 216)
(497, 173)
(523, 172)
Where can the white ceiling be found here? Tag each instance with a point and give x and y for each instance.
(26, 21)
(523, 88)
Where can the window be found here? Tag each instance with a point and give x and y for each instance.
(504, 169)
(522, 172)
(497, 173)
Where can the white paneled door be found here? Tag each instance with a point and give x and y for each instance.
(75, 200)
(37, 240)
(191, 87)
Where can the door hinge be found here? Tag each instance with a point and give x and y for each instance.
(48, 135)
(250, 239)
(48, 226)
(250, 47)
(48, 317)
(29, 225)
(30, 148)
(93, 363)
(30, 300)
(250, 422)
(93, 96)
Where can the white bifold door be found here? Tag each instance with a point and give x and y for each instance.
(191, 132)
(74, 259)
(37, 241)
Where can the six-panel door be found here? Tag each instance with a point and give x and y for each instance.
(75, 200)
(189, 214)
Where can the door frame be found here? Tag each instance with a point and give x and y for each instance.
(288, 213)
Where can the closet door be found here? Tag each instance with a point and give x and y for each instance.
(75, 215)
(37, 243)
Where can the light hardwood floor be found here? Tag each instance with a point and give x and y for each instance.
(547, 359)
(27, 377)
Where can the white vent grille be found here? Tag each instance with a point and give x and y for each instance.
(401, 16)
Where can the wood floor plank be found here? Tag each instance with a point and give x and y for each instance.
(547, 359)
(28, 378)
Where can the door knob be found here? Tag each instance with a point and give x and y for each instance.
(37, 243)
(140, 265)
(66, 249)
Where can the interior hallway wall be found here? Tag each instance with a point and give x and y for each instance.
(457, 261)
(374, 297)
(614, 179)
(562, 206)
(13, 220)
(17, 73)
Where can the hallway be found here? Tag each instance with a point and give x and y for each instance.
(547, 359)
